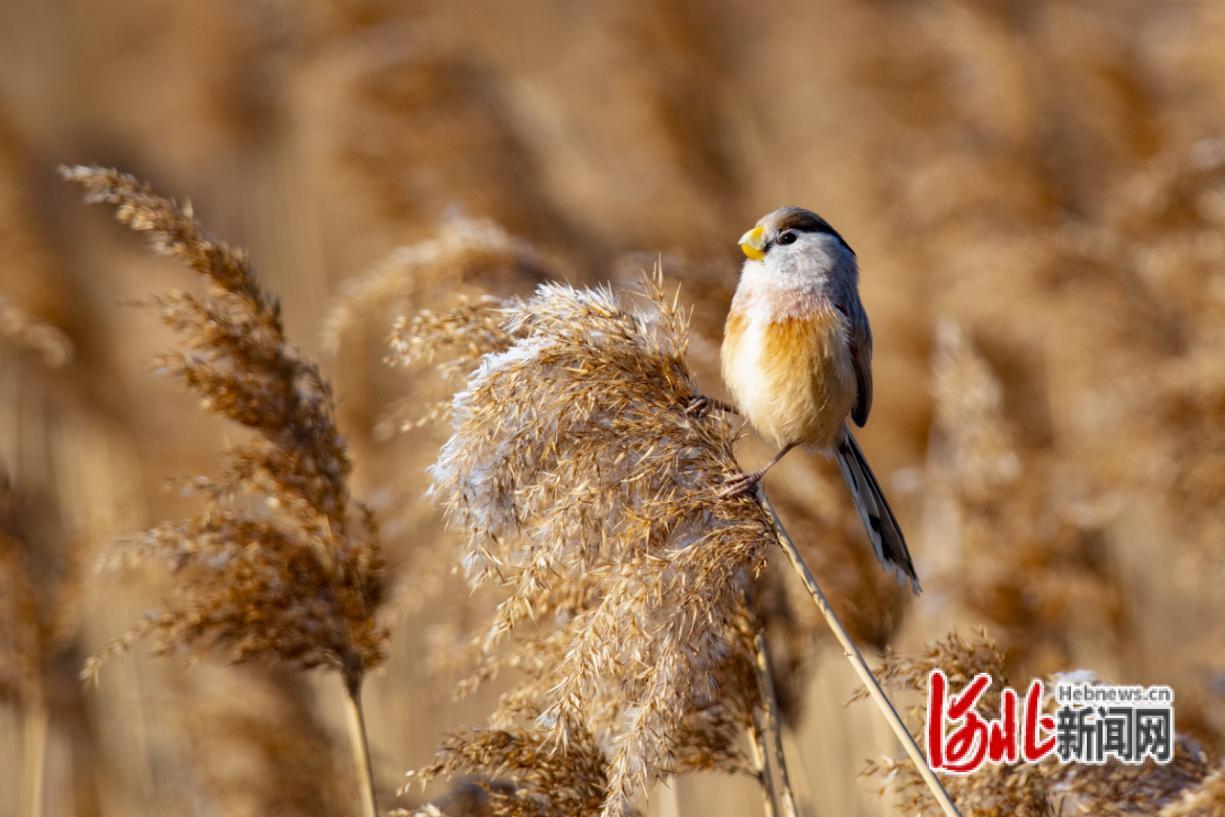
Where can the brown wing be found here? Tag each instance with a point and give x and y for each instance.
(861, 356)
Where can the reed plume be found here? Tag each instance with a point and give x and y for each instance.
(282, 565)
(613, 542)
(586, 486)
(519, 773)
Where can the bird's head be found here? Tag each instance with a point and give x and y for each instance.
(795, 243)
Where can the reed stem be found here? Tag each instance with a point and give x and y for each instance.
(772, 726)
(761, 762)
(34, 745)
(361, 748)
(861, 667)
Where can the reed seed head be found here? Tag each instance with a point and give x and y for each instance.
(281, 564)
(584, 489)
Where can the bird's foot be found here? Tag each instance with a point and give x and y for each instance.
(698, 406)
(741, 484)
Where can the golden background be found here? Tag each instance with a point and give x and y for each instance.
(1036, 193)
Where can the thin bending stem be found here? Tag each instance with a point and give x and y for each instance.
(761, 762)
(856, 658)
(773, 727)
(34, 745)
(361, 748)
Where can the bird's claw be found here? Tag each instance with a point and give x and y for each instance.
(741, 485)
(698, 406)
(701, 404)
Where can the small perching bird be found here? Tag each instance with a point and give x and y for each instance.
(797, 357)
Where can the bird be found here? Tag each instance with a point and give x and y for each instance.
(797, 359)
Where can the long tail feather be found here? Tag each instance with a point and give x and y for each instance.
(878, 519)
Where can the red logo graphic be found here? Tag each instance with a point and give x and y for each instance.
(959, 741)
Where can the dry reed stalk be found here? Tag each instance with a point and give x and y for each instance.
(283, 566)
(48, 426)
(40, 585)
(866, 676)
(241, 726)
(34, 748)
(360, 744)
(772, 726)
(762, 765)
(20, 642)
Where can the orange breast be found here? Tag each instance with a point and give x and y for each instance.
(792, 378)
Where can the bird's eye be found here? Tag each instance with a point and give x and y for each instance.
(786, 238)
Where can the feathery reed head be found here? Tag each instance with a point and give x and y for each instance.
(583, 487)
(520, 774)
(282, 564)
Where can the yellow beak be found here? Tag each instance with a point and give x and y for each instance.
(753, 243)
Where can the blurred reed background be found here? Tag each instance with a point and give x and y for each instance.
(1035, 190)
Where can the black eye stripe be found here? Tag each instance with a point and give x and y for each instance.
(797, 219)
(794, 230)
